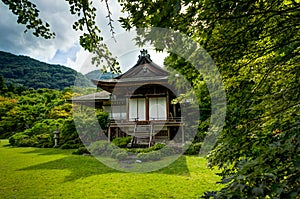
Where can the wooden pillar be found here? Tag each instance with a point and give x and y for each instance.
(182, 133)
(174, 110)
(167, 104)
(127, 109)
(147, 108)
(109, 132)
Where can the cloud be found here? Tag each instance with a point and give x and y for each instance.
(58, 50)
(65, 48)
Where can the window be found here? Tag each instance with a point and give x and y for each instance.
(116, 112)
(137, 109)
(157, 108)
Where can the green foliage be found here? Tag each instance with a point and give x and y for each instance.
(17, 138)
(255, 44)
(89, 124)
(20, 112)
(121, 155)
(72, 144)
(43, 140)
(31, 118)
(98, 75)
(103, 147)
(40, 135)
(102, 119)
(28, 15)
(81, 151)
(193, 148)
(22, 70)
(151, 156)
(121, 142)
(68, 134)
(153, 153)
(157, 146)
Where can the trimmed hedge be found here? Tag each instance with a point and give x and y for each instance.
(122, 142)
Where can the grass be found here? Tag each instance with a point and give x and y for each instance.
(56, 173)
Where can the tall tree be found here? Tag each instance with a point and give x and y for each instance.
(255, 44)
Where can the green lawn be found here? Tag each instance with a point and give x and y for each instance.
(56, 173)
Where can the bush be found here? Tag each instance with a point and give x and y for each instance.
(121, 142)
(167, 150)
(68, 133)
(71, 144)
(21, 140)
(99, 147)
(114, 152)
(103, 147)
(46, 126)
(151, 156)
(80, 151)
(193, 149)
(39, 135)
(158, 146)
(16, 138)
(121, 155)
(44, 140)
(102, 119)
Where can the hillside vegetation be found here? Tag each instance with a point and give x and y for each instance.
(31, 73)
(97, 75)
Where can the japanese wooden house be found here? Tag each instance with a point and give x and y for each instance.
(139, 103)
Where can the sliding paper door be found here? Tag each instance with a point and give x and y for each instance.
(137, 109)
(157, 108)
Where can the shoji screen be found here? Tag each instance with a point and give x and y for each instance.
(137, 109)
(118, 112)
(157, 108)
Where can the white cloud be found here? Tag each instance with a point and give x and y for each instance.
(65, 48)
(14, 40)
(78, 63)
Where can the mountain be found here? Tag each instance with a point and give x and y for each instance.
(97, 75)
(31, 73)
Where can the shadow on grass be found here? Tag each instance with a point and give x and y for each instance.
(178, 167)
(85, 166)
(78, 166)
(48, 151)
(7, 145)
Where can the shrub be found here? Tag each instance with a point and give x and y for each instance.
(72, 144)
(80, 151)
(115, 152)
(99, 147)
(65, 146)
(68, 132)
(193, 149)
(39, 135)
(158, 146)
(102, 119)
(121, 155)
(44, 140)
(121, 142)
(151, 156)
(167, 150)
(18, 139)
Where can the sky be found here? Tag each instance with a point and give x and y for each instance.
(64, 49)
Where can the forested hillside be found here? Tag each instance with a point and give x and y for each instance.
(31, 73)
(97, 75)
